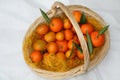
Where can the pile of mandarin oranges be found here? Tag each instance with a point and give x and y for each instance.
(58, 37)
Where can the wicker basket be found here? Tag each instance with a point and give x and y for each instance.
(58, 8)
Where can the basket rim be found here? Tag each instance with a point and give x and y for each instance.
(70, 7)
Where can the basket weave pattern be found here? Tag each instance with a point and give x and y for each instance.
(56, 9)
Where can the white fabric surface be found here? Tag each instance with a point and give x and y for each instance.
(16, 17)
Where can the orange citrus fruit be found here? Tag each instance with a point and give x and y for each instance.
(42, 29)
(87, 27)
(39, 45)
(77, 15)
(68, 34)
(36, 56)
(62, 46)
(70, 54)
(67, 23)
(75, 38)
(70, 44)
(97, 41)
(60, 35)
(52, 47)
(56, 24)
(61, 55)
(80, 55)
(50, 36)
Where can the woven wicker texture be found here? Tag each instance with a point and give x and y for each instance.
(61, 8)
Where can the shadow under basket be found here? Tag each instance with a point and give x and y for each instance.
(57, 9)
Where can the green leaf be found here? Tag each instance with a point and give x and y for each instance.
(103, 30)
(78, 47)
(83, 19)
(90, 47)
(45, 16)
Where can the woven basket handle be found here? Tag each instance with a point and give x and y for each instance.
(78, 31)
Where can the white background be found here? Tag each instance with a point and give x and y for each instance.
(16, 17)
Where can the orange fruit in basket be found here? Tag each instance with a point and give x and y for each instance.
(42, 29)
(50, 36)
(68, 34)
(67, 23)
(45, 55)
(97, 41)
(70, 44)
(36, 56)
(80, 55)
(62, 46)
(52, 47)
(39, 45)
(60, 35)
(75, 38)
(56, 24)
(70, 54)
(87, 27)
(77, 15)
(61, 55)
